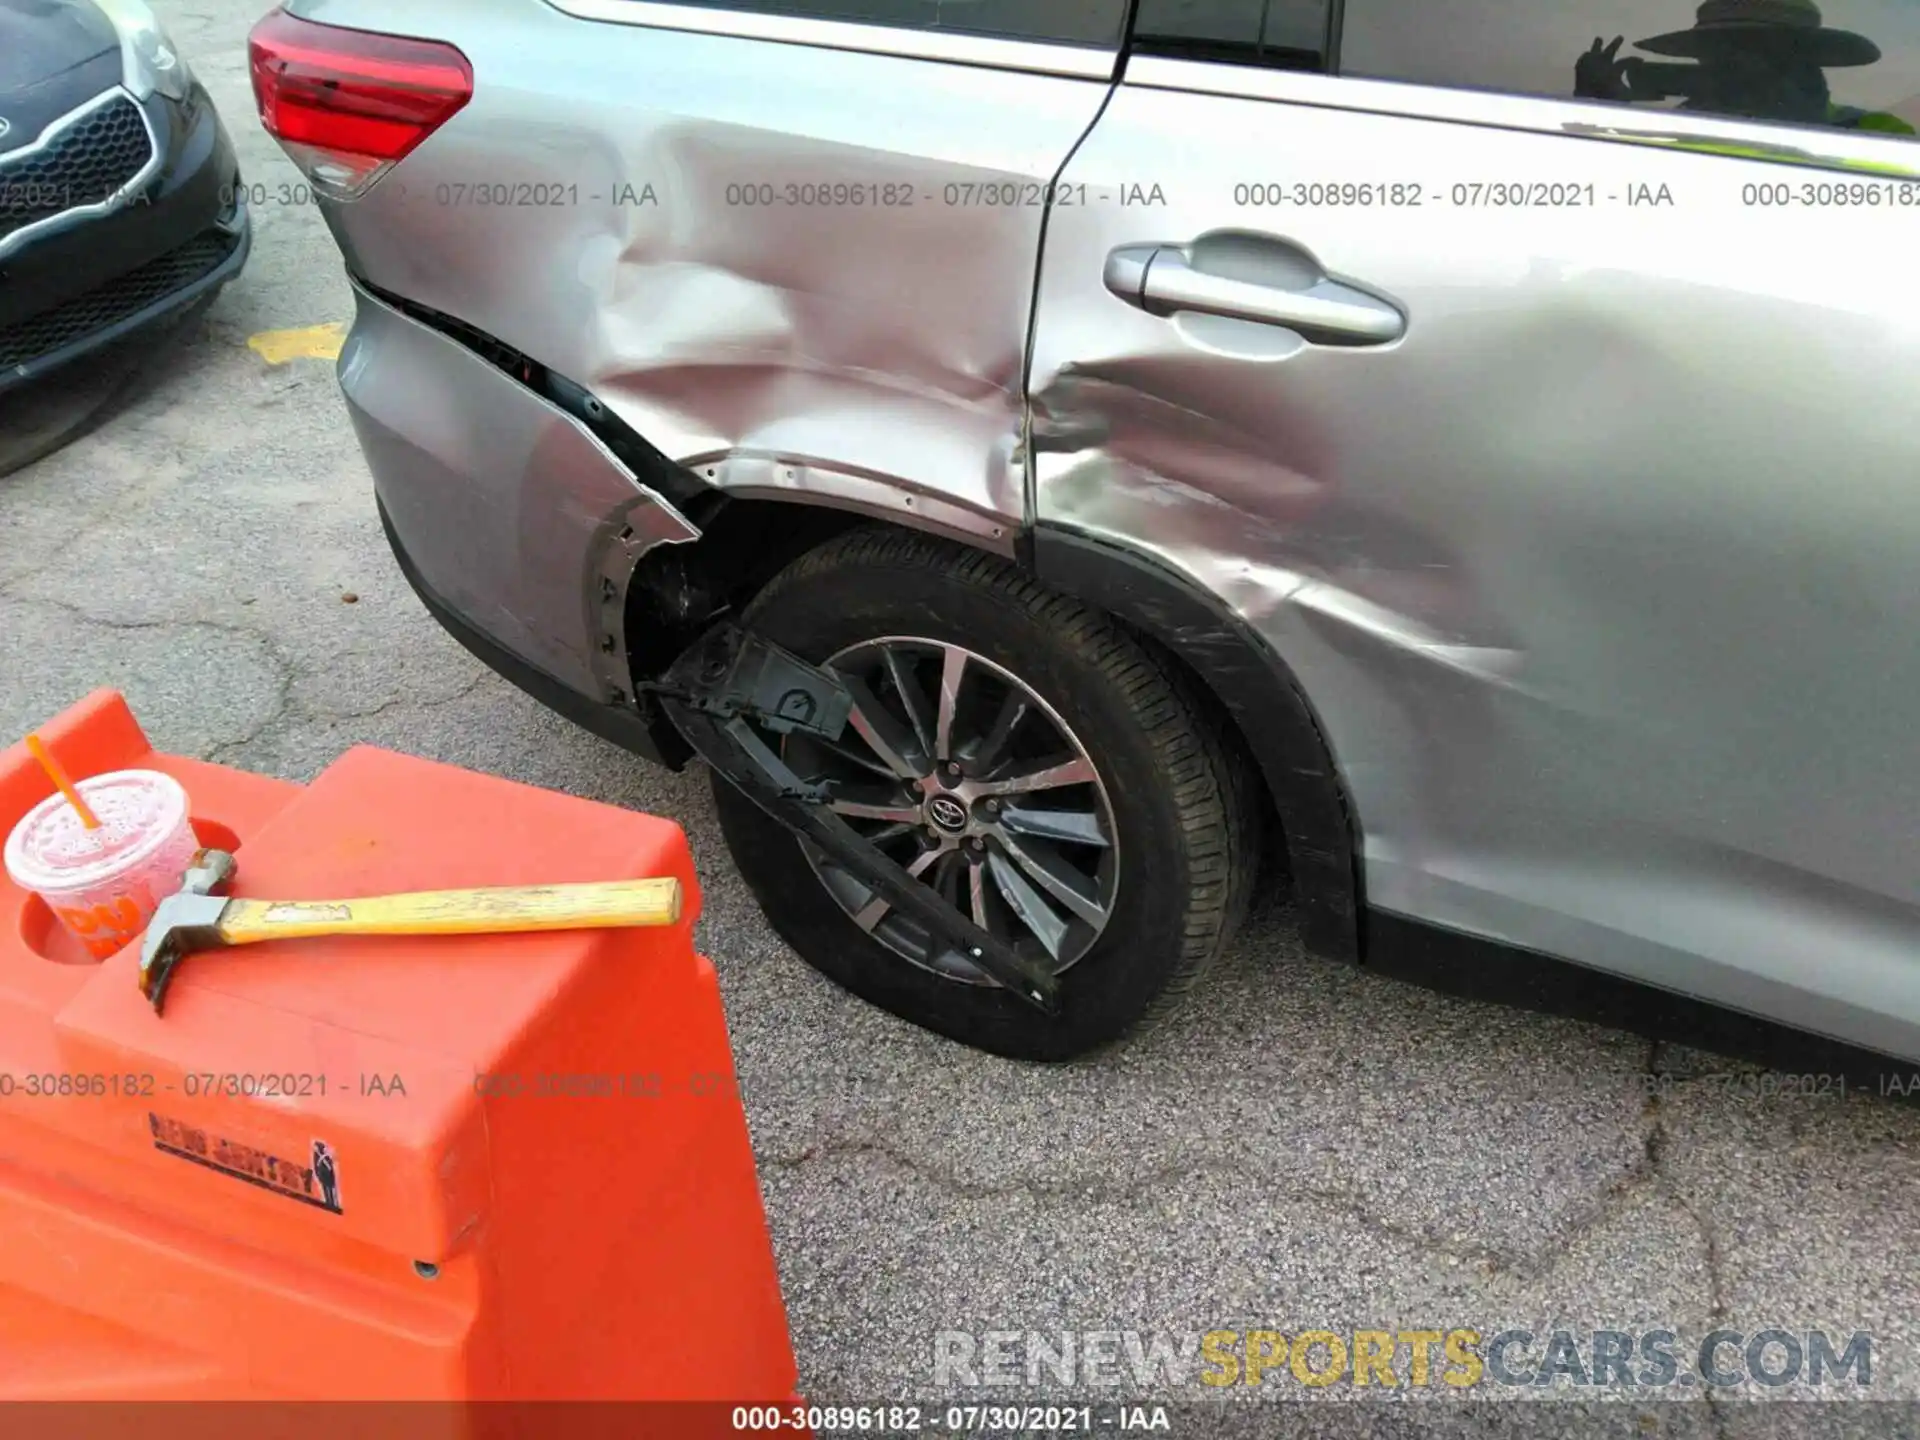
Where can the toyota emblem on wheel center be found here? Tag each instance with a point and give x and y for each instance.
(947, 812)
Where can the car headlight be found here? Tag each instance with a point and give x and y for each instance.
(150, 61)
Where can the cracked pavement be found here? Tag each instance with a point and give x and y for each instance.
(1303, 1146)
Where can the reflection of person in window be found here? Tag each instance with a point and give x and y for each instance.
(1763, 59)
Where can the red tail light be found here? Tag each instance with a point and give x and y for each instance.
(347, 105)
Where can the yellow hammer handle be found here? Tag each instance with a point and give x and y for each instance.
(506, 910)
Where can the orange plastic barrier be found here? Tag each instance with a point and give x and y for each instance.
(498, 1168)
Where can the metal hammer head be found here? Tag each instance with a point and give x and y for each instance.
(184, 922)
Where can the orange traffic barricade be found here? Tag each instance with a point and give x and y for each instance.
(492, 1168)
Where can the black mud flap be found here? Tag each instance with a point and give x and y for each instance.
(730, 681)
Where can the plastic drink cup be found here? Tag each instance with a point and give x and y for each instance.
(105, 884)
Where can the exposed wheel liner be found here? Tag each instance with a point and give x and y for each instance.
(644, 732)
(1185, 840)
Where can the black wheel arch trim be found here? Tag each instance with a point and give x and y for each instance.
(1266, 701)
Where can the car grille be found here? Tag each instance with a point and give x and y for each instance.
(42, 335)
(84, 164)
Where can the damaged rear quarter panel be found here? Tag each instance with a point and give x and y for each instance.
(602, 205)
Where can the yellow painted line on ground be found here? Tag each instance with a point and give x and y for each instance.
(310, 342)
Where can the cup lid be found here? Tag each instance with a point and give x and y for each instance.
(138, 810)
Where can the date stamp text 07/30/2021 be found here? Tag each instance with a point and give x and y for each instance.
(1267, 192)
(304, 1085)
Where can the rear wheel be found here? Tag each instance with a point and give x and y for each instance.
(1036, 766)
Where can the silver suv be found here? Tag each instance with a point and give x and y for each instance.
(1467, 453)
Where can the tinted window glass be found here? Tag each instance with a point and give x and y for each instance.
(1288, 34)
(1081, 22)
(1848, 63)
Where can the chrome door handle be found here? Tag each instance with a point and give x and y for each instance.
(1160, 280)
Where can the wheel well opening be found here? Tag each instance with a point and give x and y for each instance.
(676, 591)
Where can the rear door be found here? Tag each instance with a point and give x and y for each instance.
(1566, 450)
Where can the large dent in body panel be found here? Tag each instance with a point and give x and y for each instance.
(855, 339)
(1149, 468)
(1245, 491)
(1612, 439)
(883, 343)
(1558, 438)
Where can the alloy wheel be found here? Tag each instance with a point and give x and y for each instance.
(960, 772)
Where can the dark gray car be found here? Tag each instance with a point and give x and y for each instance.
(119, 196)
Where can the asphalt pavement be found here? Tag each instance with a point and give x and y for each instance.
(1305, 1147)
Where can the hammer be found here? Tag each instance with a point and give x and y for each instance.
(198, 919)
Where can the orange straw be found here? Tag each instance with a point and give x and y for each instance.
(37, 748)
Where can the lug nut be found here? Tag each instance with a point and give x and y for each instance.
(993, 807)
(978, 843)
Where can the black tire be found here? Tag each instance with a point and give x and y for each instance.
(1171, 786)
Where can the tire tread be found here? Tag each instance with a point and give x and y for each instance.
(1216, 813)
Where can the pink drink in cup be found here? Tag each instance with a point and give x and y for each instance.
(105, 884)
